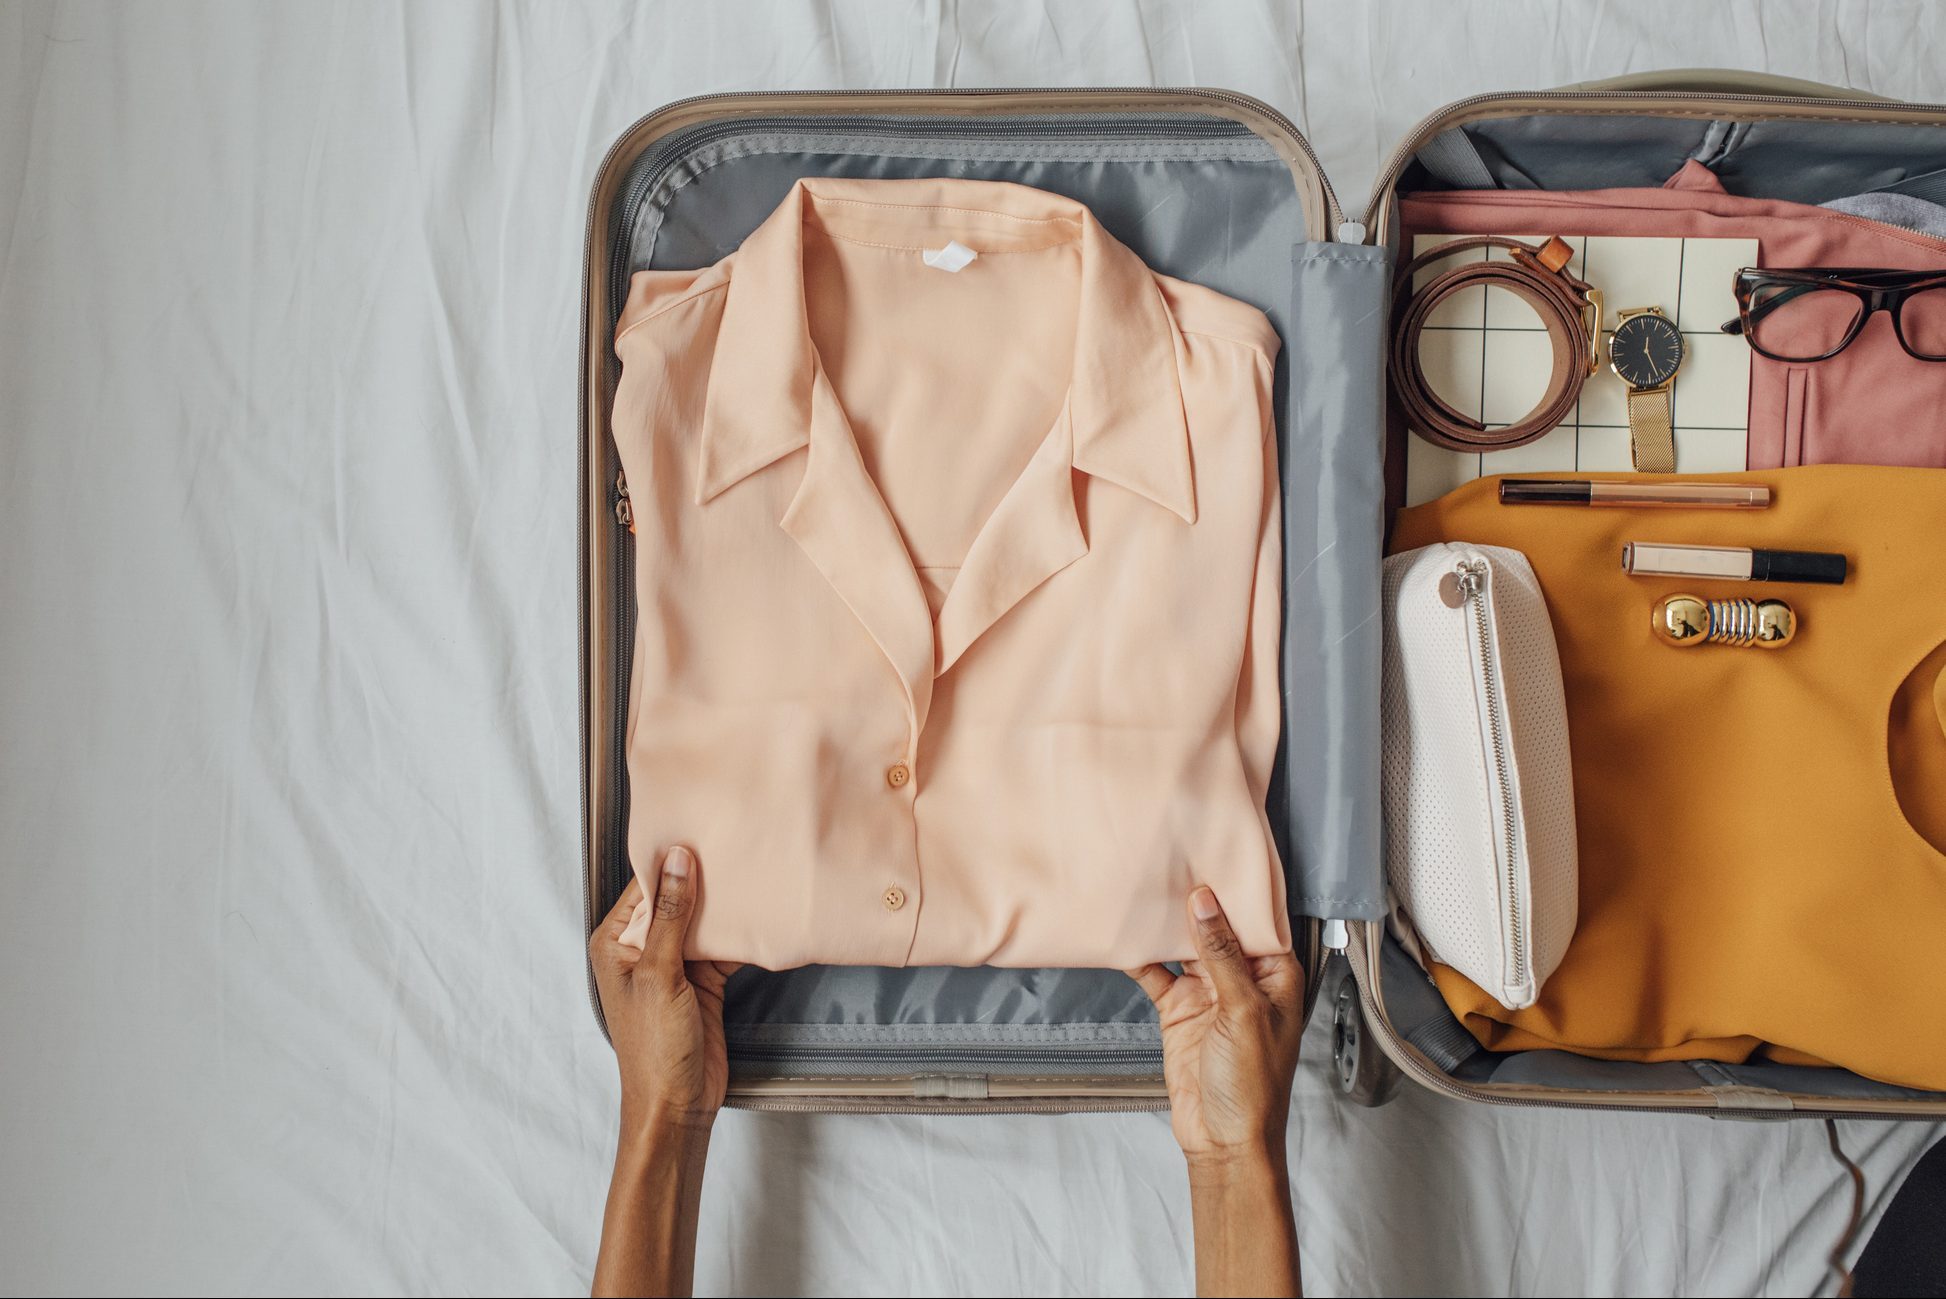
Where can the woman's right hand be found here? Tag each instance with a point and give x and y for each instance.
(1230, 1029)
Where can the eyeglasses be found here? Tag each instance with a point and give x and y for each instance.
(1814, 313)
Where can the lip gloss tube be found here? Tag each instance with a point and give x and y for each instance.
(1732, 563)
(1584, 491)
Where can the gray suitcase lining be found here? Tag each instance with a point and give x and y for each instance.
(1802, 161)
(1199, 197)
(1204, 199)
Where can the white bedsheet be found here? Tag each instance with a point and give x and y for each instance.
(289, 919)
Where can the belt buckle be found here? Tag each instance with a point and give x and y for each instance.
(1552, 258)
(1591, 307)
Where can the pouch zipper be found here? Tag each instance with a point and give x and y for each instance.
(1469, 109)
(1470, 576)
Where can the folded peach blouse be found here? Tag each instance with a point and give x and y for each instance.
(959, 588)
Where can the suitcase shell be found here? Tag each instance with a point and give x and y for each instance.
(683, 185)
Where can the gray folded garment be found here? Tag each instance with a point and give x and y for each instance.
(1902, 210)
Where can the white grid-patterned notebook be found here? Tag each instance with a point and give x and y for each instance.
(1487, 353)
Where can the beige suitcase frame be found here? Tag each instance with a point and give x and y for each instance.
(682, 186)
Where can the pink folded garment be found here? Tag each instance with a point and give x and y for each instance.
(1870, 404)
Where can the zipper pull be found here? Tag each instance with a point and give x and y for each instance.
(624, 509)
(1462, 584)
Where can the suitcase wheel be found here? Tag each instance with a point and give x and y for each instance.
(1360, 1066)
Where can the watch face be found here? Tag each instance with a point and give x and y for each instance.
(1645, 350)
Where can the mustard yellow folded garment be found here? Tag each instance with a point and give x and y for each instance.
(1760, 831)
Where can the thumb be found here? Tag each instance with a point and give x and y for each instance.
(1218, 949)
(675, 902)
(610, 947)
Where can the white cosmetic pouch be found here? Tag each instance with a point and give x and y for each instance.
(1478, 789)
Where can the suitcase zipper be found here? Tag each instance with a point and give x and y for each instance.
(1038, 1081)
(624, 508)
(652, 165)
(970, 1054)
(1918, 238)
(1409, 1061)
(842, 1103)
(1469, 109)
(1470, 580)
(623, 596)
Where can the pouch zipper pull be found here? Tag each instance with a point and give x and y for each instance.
(624, 509)
(1465, 585)
(1460, 585)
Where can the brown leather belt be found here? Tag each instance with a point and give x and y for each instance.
(1570, 310)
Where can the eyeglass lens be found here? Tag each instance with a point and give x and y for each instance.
(1807, 322)
(1922, 320)
(1801, 322)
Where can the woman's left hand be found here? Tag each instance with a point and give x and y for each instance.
(665, 1015)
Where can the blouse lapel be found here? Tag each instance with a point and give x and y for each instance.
(841, 522)
(1032, 534)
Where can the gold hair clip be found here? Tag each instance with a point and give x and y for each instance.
(1686, 620)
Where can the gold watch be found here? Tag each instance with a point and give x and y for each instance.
(1645, 351)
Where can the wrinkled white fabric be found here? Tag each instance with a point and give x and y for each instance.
(290, 958)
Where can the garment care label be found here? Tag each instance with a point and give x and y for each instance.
(955, 256)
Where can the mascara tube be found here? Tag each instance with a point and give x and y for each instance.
(1732, 563)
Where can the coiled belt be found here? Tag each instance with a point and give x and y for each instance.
(1570, 311)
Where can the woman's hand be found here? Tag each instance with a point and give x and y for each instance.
(665, 1017)
(1230, 1028)
(666, 1020)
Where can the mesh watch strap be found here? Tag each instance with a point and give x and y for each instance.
(1651, 431)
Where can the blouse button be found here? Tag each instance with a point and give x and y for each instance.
(894, 898)
(897, 775)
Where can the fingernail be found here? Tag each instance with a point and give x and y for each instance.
(677, 863)
(1203, 903)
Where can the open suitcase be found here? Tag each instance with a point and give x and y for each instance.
(684, 185)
